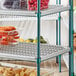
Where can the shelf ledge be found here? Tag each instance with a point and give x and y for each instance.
(28, 51)
(20, 18)
(53, 9)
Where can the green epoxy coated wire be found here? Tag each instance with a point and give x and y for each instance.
(71, 61)
(59, 37)
(38, 37)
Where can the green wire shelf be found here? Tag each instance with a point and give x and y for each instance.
(28, 51)
(53, 9)
(21, 18)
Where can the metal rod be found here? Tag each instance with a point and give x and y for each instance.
(69, 64)
(59, 37)
(57, 34)
(71, 58)
(56, 1)
(38, 38)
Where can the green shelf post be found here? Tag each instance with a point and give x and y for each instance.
(71, 58)
(38, 38)
(57, 34)
(59, 37)
(56, 1)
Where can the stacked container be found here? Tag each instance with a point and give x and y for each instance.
(24, 4)
(8, 35)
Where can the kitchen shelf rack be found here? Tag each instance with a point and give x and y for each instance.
(53, 9)
(40, 52)
(21, 18)
(28, 51)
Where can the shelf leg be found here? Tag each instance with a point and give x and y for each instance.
(59, 63)
(57, 38)
(59, 43)
(38, 66)
(71, 56)
(69, 63)
(38, 37)
(57, 60)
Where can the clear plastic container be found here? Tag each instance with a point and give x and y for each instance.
(9, 37)
(21, 68)
(23, 4)
(32, 4)
(13, 4)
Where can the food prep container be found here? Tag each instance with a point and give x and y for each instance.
(8, 36)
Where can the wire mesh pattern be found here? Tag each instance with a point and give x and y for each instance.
(22, 18)
(51, 10)
(28, 51)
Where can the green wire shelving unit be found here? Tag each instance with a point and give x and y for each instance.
(41, 52)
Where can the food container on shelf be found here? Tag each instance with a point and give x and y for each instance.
(23, 4)
(13, 4)
(17, 69)
(8, 35)
(32, 4)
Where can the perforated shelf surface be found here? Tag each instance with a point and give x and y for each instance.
(53, 9)
(21, 18)
(28, 51)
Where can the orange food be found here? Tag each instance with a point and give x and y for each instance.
(0, 36)
(17, 71)
(9, 73)
(8, 34)
(7, 28)
(6, 71)
(24, 69)
(3, 33)
(9, 69)
(2, 69)
(4, 42)
(10, 38)
(5, 39)
(16, 37)
(11, 33)
(4, 29)
(13, 41)
(11, 27)
(15, 33)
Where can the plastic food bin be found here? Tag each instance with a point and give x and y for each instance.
(17, 69)
(8, 35)
(23, 4)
